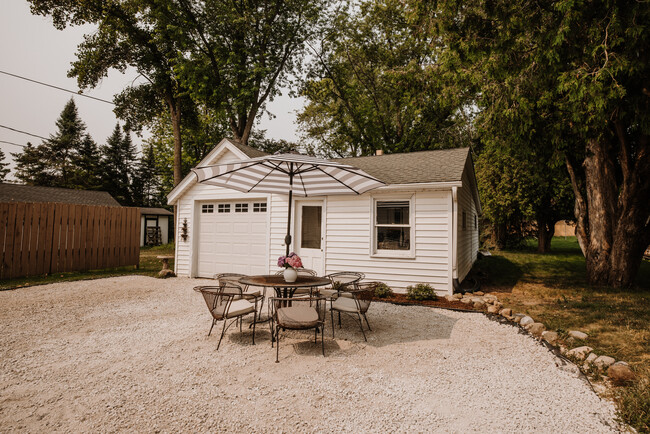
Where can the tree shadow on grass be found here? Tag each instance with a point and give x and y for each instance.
(496, 273)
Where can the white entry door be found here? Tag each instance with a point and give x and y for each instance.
(310, 234)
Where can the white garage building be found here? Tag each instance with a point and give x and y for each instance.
(421, 227)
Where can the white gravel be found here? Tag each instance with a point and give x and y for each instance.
(132, 354)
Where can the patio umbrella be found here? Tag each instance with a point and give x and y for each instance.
(291, 174)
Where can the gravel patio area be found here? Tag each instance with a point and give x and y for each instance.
(132, 354)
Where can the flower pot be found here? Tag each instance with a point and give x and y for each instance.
(290, 275)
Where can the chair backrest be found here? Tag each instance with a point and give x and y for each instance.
(346, 278)
(364, 294)
(301, 272)
(217, 299)
(316, 302)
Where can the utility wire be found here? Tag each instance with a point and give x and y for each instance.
(24, 132)
(12, 143)
(56, 87)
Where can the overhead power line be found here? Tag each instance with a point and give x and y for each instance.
(56, 87)
(12, 143)
(24, 132)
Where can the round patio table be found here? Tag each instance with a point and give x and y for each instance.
(282, 288)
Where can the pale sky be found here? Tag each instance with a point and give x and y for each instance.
(31, 47)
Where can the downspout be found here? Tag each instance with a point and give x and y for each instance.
(454, 239)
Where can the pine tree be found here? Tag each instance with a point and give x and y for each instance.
(61, 149)
(31, 165)
(4, 171)
(146, 182)
(87, 166)
(118, 159)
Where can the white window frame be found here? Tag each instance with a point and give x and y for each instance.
(383, 253)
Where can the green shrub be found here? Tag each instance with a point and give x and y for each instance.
(382, 290)
(421, 291)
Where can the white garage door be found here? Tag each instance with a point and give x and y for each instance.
(232, 238)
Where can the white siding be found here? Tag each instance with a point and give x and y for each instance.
(467, 247)
(348, 241)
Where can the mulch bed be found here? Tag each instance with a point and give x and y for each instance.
(440, 302)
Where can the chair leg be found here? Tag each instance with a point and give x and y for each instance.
(366, 318)
(223, 332)
(277, 345)
(322, 339)
(316, 335)
(254, 322)
(361, 327)
(332, 315)
(214, 321)
(339, 319)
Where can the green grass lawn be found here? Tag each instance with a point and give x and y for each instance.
(149, 266)
(552, 288)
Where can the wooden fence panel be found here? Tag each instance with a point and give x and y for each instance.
(46, 238)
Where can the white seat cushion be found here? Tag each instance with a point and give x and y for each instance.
(237, 308)
(297, 317)
(348, 304)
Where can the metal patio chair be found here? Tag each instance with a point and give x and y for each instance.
(342, 281)
(355, 302)
(226, 302)
(303, 313)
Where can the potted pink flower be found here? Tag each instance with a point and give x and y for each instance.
(290, 263)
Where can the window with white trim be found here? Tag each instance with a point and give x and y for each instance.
(223, 208)
(259, 207)
(392, 229)
(241, 207)
(207, 209)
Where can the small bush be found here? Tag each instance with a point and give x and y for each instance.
(421, 291)
(382, 290)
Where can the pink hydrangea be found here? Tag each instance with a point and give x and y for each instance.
(292, 260)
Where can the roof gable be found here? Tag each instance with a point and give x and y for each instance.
(226, 151)
(31, 193)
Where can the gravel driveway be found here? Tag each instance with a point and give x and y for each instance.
(132, 354)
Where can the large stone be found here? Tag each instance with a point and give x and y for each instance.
(493, 309)
(506, 312)
(479, 293)
(466, 300)
(620, 373)
(604, 362)
(526, 320)
(458, 296)
(591, 358)
(163, 274)
(579, 353)
(536, 328)
(479, 304)
(550, 337)
(578, 335)
(519, 316)
(450, 298)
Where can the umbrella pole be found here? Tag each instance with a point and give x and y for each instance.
(287, 239)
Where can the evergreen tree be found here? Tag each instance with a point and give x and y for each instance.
(118, 157)
(146, 186)
(31, 165)
(87, 166)
(4, 171)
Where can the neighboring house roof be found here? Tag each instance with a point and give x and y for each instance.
(154, 211)
(30, 193)
(444, 165)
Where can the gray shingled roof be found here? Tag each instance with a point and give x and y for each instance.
(442, 165)
(30, 193)
(248, 150)
(155, 211)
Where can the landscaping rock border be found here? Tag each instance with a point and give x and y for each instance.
(617, 372)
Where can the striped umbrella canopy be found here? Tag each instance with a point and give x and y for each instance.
(291, 174)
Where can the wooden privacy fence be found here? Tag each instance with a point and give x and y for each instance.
(46, 238)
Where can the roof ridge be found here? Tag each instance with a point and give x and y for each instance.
(405, 153)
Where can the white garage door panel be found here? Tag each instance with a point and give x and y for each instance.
(232, 242)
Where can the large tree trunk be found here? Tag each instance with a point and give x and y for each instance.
(612, 212)
(175, 114)
(499, 235)
(545, 232)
